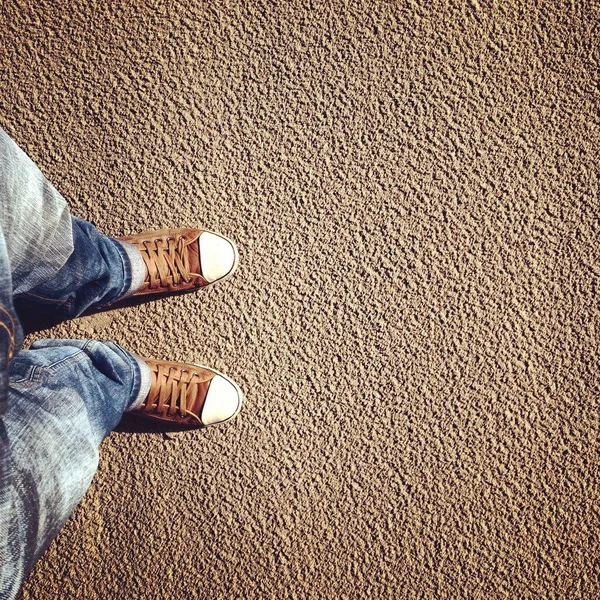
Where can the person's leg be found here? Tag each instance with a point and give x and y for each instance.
(59, 399)
(59, 264)
(10, 338)
(34, 219)
(65, 396)
(64, 266)
(99, 272)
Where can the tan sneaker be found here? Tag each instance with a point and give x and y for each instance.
(180, 260)
(188, 394)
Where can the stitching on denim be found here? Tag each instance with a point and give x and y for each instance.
(88, 347)
(11, 338)
(127, 272)
(11, 331)
(122, 253)
(132, 373)
(12, 321)
(65, 362)
(23, 384)
(38, 297)
(37, 372)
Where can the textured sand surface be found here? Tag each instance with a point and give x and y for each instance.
(415, 322)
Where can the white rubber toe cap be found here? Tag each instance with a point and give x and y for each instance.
(218, 256)
(223, 401)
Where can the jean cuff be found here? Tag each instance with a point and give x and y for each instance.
(137, 267)
(145, 380)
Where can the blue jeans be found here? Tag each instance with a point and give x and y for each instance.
(60, 398)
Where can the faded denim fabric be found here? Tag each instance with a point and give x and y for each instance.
(60, 398)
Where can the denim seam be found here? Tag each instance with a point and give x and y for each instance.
(135, 383)
(39, 371)
(11, 339)
(67, 361)
(10, 330)
(23, 384)
(7, 313)
(44, 298)
(136, 379)
(127, 275)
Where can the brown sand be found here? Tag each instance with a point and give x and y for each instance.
(414, 190)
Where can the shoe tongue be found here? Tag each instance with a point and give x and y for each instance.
(194, 256)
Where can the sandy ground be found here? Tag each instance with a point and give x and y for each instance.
(415, 321)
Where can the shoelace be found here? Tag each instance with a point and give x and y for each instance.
(174, 390)
(167, 263)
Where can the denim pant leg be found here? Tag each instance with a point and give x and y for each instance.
(10, 341)
(65, 396)
(99, 272)
(60, 264)
(60, 398)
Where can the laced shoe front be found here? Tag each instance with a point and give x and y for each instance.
(179, 260)
(190, 395)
